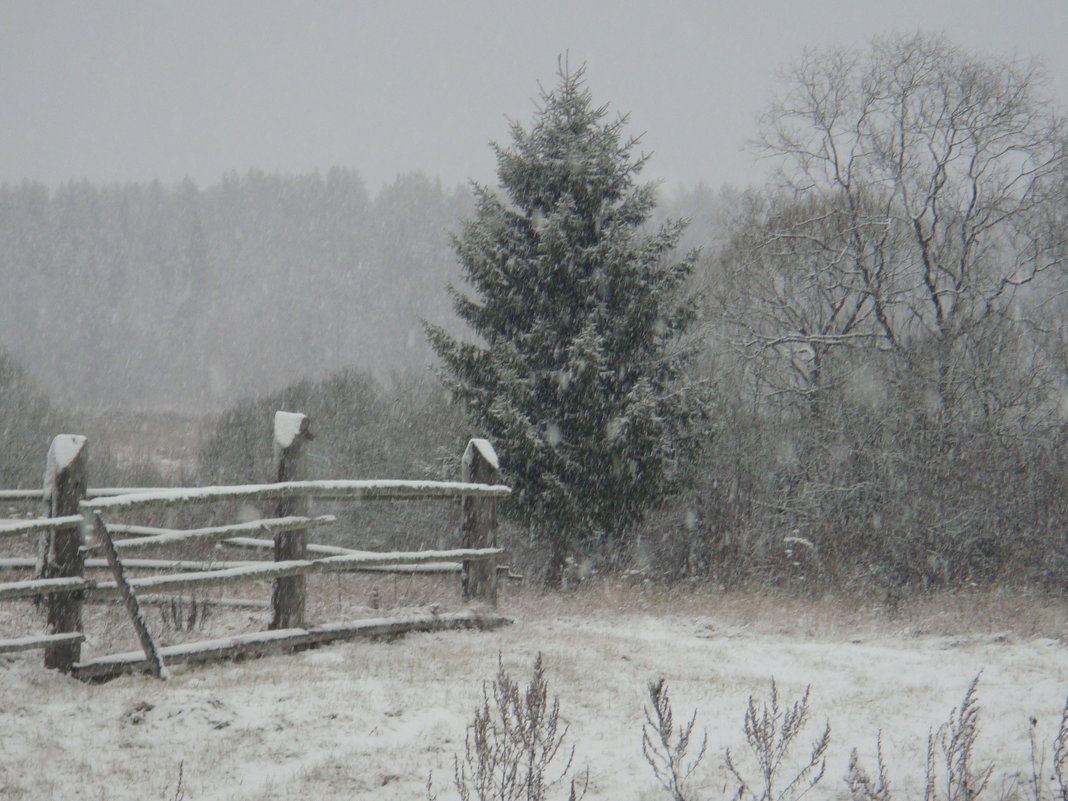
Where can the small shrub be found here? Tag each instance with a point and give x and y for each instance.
(951, 771)
(512, 744)
(770, 733)
(184, 614)
(863, 787)
(664, 747)
(1050, 782)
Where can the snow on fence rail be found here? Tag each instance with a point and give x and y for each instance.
(274, 525)
(256, 571)
(42, 641)
(30, 563)
(40, 524)
(36, 587)
(90, 492)
(334, 550)
(302, 567)
(22, 495)
(61, 578)
(378, 490)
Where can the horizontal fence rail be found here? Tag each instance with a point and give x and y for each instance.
(22, 495)
(257, 571)
(31, 563)
(42, 641)
(35, 587)
(40, 524)
(296, 567)
(91, 492)
(353, 490)
(161, 537)
(282, 640)
(334, 550)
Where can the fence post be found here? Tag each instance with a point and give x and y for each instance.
(288, 595)
(479, 529)
(66, 477)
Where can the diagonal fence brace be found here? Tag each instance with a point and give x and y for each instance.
(148, 645)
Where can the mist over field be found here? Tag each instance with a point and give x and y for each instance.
(175, 298)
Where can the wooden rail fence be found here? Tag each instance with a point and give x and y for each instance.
(76, 529)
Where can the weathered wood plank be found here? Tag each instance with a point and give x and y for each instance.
(28, 589)
(22, 495)
(272, 570)
(188, 565)
(168, 600)
(334, 550)
(139, 531)
(257, 571)
(261, 545)
(230, 603)
(42, 641)
(129, 597)
(161, 537)
(351, 490)
(105, 492)
(39, 524)
(18, 563)
(283, 640)
(91, 492)
(29, 563)
(503, 571)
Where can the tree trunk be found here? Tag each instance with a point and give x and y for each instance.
(554, 572)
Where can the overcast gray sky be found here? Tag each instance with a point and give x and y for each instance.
(127, 91)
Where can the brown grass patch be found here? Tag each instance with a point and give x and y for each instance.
(1021, 611)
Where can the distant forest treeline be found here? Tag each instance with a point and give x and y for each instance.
(146, 296)
(157, 297)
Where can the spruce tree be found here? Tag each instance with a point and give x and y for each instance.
(580, 308)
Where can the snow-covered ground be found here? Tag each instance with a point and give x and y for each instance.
(371, 720)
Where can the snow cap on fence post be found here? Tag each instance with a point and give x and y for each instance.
(480, 466)
(289, 428)
(66, 477)
(65, 448)
(482, 448)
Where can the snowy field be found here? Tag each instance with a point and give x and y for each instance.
(371, 720)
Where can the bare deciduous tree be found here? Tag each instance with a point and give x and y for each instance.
(893, 304)
(934, 178)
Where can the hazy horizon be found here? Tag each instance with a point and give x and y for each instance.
(118, 92)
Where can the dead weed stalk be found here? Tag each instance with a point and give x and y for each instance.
(1049, 782)
(666, 748)
(771, 732)
(952, 771)
(512, 744)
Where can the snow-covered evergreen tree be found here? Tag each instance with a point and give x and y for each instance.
(580, 309)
